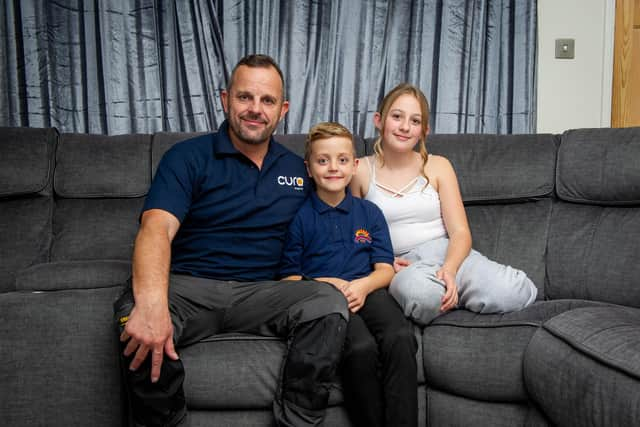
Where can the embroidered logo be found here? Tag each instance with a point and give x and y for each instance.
(291, 181)
(362, 236)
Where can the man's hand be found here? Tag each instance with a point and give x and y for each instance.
(400, 263)
(450, 298)
(149, 330)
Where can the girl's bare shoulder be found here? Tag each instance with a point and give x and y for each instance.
(438, 163)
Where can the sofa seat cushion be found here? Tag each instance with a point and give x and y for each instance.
(336, 416)
(235, 371)
(73, 275)
(479, 356)
(240, 371)
(470, 412)
(59, 353)
(583, 367)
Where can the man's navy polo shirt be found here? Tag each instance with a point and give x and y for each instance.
(233, 216)
(342, 242)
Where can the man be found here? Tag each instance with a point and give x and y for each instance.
(207, 254)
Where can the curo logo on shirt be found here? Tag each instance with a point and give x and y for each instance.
(291, 181)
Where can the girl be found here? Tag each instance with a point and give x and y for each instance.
(419, 196)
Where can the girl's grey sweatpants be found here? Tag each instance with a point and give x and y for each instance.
(484, 286)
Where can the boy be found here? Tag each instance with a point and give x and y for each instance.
(344, 241)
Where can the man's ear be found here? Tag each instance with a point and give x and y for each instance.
(224, 97)
(285, 108)
(306, 165)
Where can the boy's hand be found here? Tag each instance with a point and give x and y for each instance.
(356, 294)
(340, 284)
(400, 263)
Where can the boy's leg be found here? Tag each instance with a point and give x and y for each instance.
(397, 347)
(361, 384)
(312, 317)
(163, 403)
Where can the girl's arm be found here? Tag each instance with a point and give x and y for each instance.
(360, 182)
(455, 221)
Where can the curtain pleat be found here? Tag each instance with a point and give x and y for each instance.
(140, 66)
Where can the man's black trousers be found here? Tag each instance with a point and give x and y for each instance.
(311, 316)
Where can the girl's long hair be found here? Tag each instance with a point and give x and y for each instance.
(385, 105)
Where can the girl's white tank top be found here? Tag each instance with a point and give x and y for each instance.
(412, 213)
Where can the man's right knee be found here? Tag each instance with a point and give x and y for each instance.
(324, 299)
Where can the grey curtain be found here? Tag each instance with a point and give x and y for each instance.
(126, 66)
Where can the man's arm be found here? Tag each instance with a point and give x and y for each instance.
(149, 328)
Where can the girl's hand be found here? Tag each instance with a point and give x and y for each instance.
(400, 263)
(450, 298)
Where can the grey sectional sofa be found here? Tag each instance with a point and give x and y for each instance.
(564, 208)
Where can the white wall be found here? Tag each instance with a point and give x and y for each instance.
(575, 93)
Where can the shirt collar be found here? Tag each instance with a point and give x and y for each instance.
(223, 145)
(321, 207)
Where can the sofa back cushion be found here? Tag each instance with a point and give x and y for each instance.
(162, 141)
(507, 184)
(26, 206)
(100, 183)
(499, 168)
(26, 164)
(296, 142)
(594, 237)
(600, 166)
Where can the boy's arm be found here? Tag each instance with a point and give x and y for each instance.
(292, 277)
(358, 290)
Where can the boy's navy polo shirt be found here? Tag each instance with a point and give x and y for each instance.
(233, 216)
(342, 242)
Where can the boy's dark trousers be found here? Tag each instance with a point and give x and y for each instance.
(310, 315)
(379, 370)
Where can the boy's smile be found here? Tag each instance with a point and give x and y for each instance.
(332, 164)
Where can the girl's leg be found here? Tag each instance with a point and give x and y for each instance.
(486, 286)
(418, 291)
(397, 347)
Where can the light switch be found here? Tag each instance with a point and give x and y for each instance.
(565, 48)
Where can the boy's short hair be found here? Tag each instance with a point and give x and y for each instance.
(326, 130)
